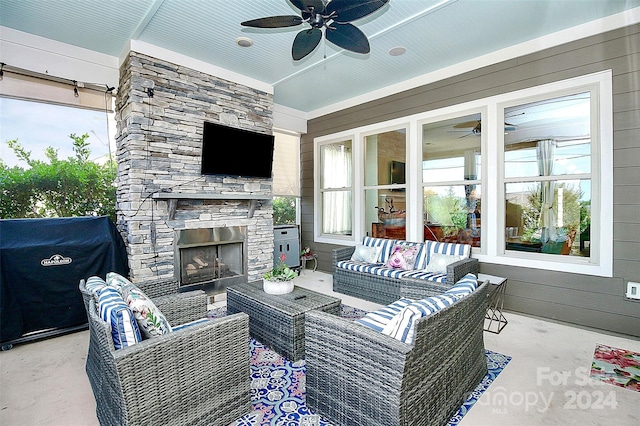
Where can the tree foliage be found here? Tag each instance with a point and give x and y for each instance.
(57, 188)
(284, 211)
(575, 214)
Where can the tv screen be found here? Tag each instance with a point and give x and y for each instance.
(397, 172)
(236, 152)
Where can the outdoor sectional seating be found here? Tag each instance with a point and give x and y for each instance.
(377, 282)
(358, 375)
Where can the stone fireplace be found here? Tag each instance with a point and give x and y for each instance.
(170, 215)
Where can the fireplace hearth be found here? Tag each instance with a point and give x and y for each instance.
(210, 258)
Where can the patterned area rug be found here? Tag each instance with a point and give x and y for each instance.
(278, 385)
(618, 367)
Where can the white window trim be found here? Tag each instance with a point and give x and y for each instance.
(600, 263)
(317, 193)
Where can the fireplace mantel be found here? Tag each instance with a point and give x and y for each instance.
(173, 198)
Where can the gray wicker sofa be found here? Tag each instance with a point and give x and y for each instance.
(359, 376)
(377, 283)
(198, 375)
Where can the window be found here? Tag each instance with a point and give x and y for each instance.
(336, 192)
(38, 125)
(451, 179)
(385, 183)
(524, 177)
(547, 176)
(286, 178)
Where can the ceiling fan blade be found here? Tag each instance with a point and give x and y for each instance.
(348, 37)
(305, 42)
(350, 10)
(274, 22)
(317, 6)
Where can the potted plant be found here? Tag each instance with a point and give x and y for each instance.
(279, 280)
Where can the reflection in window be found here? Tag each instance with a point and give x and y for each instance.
(545, 212)
(385, 184)
(451, 177)
(452, 214)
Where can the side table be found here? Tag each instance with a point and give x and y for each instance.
(305, 258)
(496, 319)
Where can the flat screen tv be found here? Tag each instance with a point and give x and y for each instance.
(236, 152)
(397, 172)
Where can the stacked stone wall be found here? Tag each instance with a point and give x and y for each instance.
(160, 111)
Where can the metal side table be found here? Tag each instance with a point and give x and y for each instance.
(305, 258)
(495, 320)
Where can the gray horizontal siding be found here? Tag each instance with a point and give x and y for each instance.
(579, 299)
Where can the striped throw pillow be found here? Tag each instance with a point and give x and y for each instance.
(465, 286)
(385, 246)
(377, 320)
(113, 309)
(402, 326)
(94, 285)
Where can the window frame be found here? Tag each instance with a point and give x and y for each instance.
(319, 143)
(475, 107)
(363, 226)
(600, 262)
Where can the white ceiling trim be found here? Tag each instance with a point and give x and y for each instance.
(187, 61)
(588, 29)
(288, 118)
(50, 57)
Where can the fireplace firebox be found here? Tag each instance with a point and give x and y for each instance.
(210, 258)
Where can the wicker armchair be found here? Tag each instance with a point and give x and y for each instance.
(199, 375)
(358, 376)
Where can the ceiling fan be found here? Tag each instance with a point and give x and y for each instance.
(331, 18)
(476, 126)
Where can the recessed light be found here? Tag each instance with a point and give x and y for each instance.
(244, 41)
(397, 51)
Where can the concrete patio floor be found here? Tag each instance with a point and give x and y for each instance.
(546, 383)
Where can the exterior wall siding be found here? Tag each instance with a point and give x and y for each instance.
(579, 299)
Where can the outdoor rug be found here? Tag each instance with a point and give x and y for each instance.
(617, 367)
(278, 385)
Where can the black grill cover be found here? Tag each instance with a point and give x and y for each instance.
(41, 263)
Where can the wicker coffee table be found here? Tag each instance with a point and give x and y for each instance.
(278, 320)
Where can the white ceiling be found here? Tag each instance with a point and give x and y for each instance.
(436, 35)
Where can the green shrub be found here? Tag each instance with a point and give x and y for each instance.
(284, 211)
(57, 188)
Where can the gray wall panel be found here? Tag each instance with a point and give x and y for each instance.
(627, 176)
(627, 269)
(579, 299)
(625, 250)
(627, 194)
(627, 101)
(582, 317)
(626, 120)
(627, 139)
(626, 212)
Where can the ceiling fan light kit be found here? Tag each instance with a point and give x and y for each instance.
(331, 19)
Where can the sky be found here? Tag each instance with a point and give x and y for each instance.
(38, 125)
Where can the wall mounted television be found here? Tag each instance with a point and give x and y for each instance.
(397, 172)
(232, 151)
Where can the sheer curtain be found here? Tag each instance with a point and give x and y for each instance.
(336, 174)
(546, 151)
